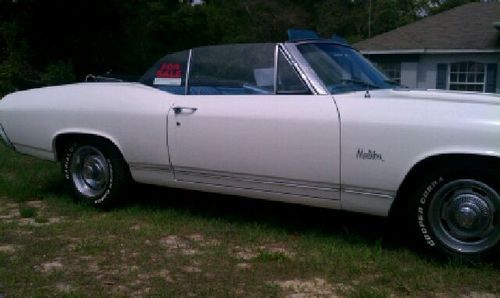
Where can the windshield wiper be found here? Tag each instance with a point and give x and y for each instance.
(361, 82)
(392, 82)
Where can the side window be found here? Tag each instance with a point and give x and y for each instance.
(289, 81)
(236, 69)
(169, 73)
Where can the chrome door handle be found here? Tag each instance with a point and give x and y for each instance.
(184, 110)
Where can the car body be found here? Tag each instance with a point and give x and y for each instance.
(308, 121)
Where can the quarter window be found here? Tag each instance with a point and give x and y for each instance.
(288, 80)
(467, 76)
(169, 73)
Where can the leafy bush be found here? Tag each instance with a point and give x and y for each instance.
(58, 73)
(16, 74)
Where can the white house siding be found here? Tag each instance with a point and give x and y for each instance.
(409, 71)
(422, 75)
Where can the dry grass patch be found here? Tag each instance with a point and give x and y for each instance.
(178, 245)
(270, 252)
(480, 295)
(29, 213)
(8, 248)
(50, 267)
(316, 287)
(244, 266)
(64, 288)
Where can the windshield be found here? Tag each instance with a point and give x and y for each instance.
(343, 69)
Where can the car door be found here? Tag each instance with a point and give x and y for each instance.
(242, 126)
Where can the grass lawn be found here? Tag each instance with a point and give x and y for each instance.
(181, 243)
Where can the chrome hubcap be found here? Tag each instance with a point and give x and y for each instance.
(90, 171)
(464, 216)
(468, 216)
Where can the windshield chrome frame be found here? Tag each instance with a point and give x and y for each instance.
(275, 71)
(307, 74)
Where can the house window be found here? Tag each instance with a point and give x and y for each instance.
(391, 70)
(467, 76)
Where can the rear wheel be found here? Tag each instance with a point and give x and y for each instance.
(458, 213)
(96, 172)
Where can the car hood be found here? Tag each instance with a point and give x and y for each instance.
(435, 95)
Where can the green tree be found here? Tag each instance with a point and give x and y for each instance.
(51, 41)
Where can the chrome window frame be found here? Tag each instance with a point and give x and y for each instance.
(281, 50)
(5, 138)
(303, 68)
(188, 72)
(293, 56)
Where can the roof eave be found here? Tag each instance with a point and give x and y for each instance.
(427, 51)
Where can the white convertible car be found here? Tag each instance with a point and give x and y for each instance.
(305, 121)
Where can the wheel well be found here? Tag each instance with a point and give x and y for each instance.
(435, 162)
(62, 141)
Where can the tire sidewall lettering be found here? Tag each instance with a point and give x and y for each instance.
(422, 207)
(109, 189)
(67, 161)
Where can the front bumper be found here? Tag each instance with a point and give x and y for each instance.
(4, 138)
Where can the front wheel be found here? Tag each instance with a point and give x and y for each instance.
(96, 173)
(458, 213)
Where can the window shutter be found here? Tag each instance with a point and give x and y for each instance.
(491, 77)
(442, 69)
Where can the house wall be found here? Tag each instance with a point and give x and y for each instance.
(419, 71)
(427, 67)
(409, 74)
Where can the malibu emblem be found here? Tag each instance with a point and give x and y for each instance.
(370, 154)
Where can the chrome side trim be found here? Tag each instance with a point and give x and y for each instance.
(32, 147)
(351, 198)
(303, 188)
(368, 191)
(256, 194)
(196, 175)
(366, 203)
(304, 69)
(35, 151)
(151, 167)
(257, 190)
(255, 178)
(367, 200)
(191, 174)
